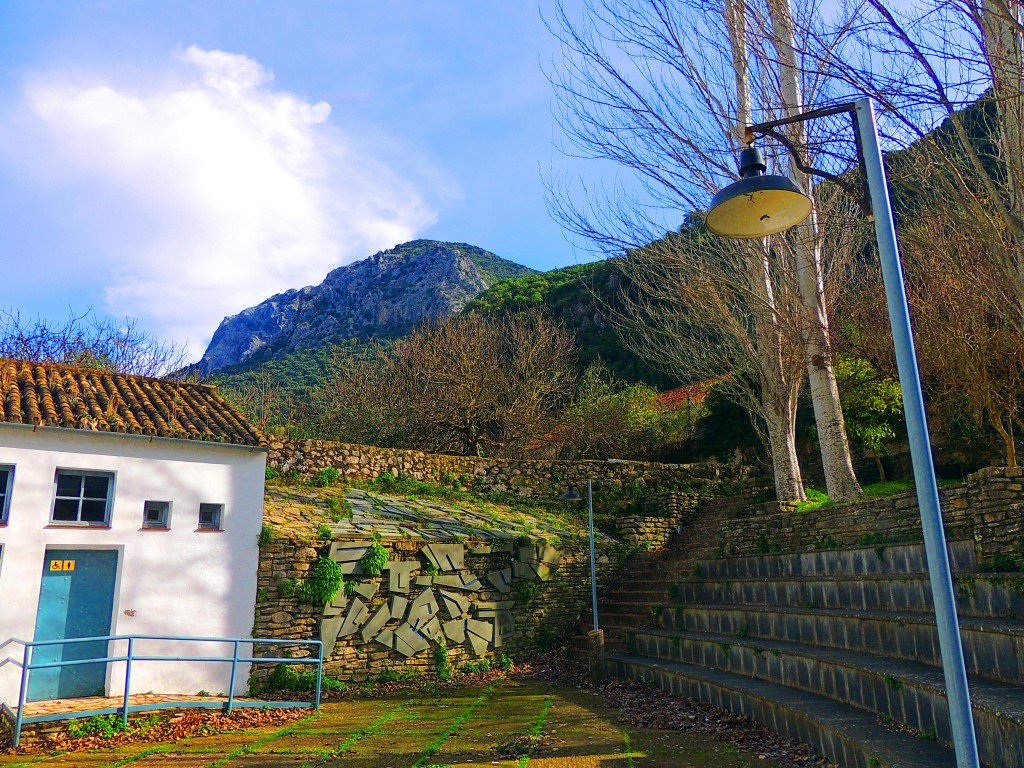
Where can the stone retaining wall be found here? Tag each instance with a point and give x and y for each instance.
(306, 457)
(988, 509)
(663, 513)
(543, 610)
(650, 533)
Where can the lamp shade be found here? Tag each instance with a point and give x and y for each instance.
(757, 205)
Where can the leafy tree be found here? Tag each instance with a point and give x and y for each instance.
(610, 419)
(872, 404)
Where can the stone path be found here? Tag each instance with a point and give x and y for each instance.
(429, 520)
(471, 727)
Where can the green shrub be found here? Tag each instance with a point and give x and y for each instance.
(325, 583)
(339, 509)
(300, 677)
(325, 477)
(442, 664)
(104, 726)
(476, 667)
(324, 533)
(266, 534)
(1000, 562)
(272, 474)
(506, 663)
(526, 590)
(376, 557)
(332, 684)
(287, 587)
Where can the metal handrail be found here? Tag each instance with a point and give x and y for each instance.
(27, 664)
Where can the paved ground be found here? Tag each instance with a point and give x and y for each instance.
(499, 725)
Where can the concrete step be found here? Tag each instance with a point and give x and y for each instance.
(982, 595)
(993, 648)
(845, 735)
(904, 691)
(888, 560)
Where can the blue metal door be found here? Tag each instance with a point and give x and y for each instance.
(76, 599)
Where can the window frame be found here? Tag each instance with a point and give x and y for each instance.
(83, 473)
(218, 521)
(165, 524)
(5, 490)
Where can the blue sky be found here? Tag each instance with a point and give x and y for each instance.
(179, 161)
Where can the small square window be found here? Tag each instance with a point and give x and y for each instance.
(82, 498)
(6, 480)
(156, 514)
(210, 516)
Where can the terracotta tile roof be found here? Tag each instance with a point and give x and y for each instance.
(49, 395)
(673, 399)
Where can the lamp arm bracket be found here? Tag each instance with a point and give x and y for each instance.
(769, 129)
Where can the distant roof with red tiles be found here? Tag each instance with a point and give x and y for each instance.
(49, 395)
(672, 399)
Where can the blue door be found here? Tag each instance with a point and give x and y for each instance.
(76, 599)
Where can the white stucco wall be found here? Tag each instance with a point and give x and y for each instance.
(176, 582)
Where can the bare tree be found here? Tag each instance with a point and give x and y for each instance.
(927, 65)
(89, 341)
(259, 396)
(658, 87)
(470, 384)
(970, 350)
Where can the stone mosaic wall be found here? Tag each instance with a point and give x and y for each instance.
(483, 583)
(531, 477)
(484, 598)
(988, 508)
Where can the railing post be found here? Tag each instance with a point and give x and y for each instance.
(319, 673)
(22, 694)
(127, 680)
(231, 685)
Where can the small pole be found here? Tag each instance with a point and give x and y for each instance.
(595, 639)
(953, 667)
(22, 694)
(319, 672)
(128, 680)
(231, 684)
(593, 563)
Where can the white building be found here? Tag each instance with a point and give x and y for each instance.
(128, 506)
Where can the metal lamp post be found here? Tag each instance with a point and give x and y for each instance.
(758, 205)
(596, 636)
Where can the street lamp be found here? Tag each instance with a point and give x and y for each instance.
(738, 211)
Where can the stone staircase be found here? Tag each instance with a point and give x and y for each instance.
(837, 649)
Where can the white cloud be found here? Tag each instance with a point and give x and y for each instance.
(208, 190)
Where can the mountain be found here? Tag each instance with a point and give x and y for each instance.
(578, 297)
(379, 297)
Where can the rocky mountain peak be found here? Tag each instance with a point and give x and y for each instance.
(380, 296)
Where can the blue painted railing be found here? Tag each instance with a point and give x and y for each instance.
(27, 665)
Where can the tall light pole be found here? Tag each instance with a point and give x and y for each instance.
(757, 206)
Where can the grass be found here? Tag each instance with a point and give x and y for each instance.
(501, 506)
(818, 499)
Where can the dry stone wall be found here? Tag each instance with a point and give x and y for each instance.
(664, 514)
(480, 598)
(307, 457)
(988, 509)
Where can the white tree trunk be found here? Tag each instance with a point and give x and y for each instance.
(1002, 24)
(778, 406)
(840, 480)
